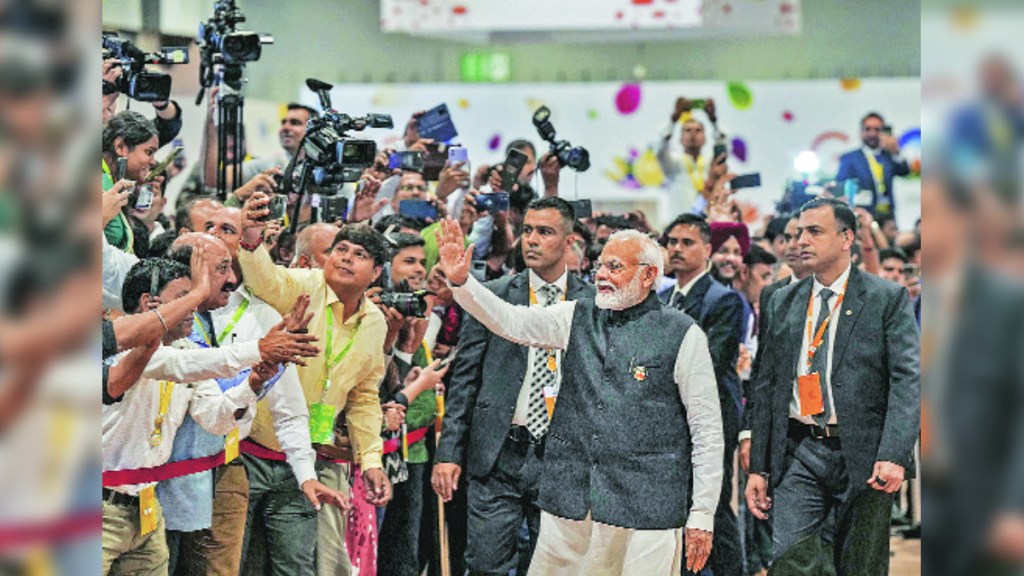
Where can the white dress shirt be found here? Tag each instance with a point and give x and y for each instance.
(837, 288)
(285, 400)
(116, 264)
(128, 424)
(550, 327)
(522, 411)
(685, 289)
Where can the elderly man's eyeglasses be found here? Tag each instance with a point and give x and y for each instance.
(413, 187)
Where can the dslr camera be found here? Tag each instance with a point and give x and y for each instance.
(333, 156)
(575, 157)
(137, 82)
(407, 302)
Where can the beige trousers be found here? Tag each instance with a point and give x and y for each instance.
(125, 550)
(331, 555)
(587, 548)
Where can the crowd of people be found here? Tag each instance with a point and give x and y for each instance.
(376, 393)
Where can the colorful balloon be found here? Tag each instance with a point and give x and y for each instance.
(647, 170)
(849, 84)
(494, 143)
(739, 149)
(739, 95)
(627, 100)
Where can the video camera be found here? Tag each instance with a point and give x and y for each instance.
(334, 157)
(576, 158)
(137, 82)
(224, 49)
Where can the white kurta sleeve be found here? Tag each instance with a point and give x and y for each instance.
(695, 376)
(537, 326)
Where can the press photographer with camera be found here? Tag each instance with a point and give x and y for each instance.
(129, 143)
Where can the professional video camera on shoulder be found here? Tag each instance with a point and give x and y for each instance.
(137, 82)
(332, 156)
(576, 158)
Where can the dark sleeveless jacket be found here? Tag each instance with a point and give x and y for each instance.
(619, 442)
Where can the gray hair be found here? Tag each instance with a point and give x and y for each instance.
(650, 252)
(304, 239)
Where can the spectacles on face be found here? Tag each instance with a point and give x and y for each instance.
(413, 188)
(615, 267)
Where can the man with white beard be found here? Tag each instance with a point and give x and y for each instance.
(638, 416)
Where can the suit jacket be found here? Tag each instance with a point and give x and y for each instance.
(718, 311)
(763, 324)
(875, 377)
(853, 164)
(487, 376)
(979, 414)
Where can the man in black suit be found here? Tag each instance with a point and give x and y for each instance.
(497, 393)
(838, 407)
(718, 310)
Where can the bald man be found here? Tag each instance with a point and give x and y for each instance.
(193, 215)
(206, 531)
(313, 244)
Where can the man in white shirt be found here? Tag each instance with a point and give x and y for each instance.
(688, 173)
(139, 428)
(637, 416)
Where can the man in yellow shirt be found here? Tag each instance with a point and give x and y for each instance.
(350, 328)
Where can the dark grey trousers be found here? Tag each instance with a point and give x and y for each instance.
(814, 487)
(498, 504)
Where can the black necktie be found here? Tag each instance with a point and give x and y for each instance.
(820, 362)
(677, 300)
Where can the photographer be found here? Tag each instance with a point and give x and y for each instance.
(131, 136)
(701, 172)
(352, 329)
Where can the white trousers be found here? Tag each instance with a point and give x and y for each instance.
(588, 548)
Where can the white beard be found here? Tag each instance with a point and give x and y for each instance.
(630, 295)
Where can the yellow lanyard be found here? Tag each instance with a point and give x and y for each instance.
(166, 388)
(695, 170)
(876, 171)
(332, 362)
(202, 329)
(427, 353)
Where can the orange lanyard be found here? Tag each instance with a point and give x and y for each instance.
(816, 342)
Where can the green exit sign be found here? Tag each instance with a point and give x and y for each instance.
(485, 67)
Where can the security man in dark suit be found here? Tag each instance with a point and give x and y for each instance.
(718, 310)
(838, 409)
(496, 419)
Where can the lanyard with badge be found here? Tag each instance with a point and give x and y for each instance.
(321, 414)
(809, 385)
(234, 319)
(550, 392)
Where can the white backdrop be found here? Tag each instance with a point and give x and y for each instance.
(783, 119)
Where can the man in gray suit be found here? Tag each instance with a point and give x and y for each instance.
(496, 420)
(838, 401)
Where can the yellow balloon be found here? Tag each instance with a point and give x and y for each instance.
(647, 171)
